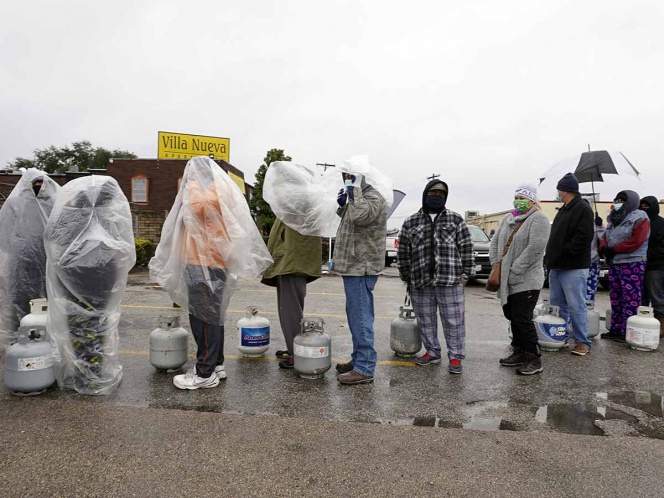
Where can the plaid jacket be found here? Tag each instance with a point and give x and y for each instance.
(435, 252)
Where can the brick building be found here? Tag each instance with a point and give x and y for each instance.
(149, 184)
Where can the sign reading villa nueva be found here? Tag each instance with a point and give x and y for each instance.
(184, 146)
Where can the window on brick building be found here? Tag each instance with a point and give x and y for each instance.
(139, 189)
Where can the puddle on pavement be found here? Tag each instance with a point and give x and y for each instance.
(635, 413)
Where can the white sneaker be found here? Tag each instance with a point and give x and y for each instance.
(192, 381)
(220, 371)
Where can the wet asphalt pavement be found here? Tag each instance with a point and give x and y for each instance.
(588, 426)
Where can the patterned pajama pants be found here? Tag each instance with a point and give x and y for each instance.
(450, 303)
(625, 291)
(593, 278)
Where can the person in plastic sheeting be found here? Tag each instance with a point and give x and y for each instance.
(359, 255)
(208, 238)
(522, 275)
(435, 259)
(89, 244)
(22, 257)
(653, 289)
(625, 247)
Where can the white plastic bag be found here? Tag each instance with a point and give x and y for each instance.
(302, 198)
(22, 257)
(360, 164)
(89, 244)
(209, 238)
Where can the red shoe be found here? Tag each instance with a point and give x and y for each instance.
(426, 359)
(455, 366)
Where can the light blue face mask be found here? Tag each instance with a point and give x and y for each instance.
(558, 198)
(617, 206)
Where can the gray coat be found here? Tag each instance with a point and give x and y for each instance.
(359, 248)
(523, 265)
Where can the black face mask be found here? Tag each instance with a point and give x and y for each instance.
(434, 203)
(36, 189)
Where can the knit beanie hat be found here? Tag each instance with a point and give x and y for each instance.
(527, 190)
(568, 183)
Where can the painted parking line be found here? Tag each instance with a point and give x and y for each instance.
(390, 363)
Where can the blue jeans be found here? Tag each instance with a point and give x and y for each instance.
(567, 290)
(360, 314)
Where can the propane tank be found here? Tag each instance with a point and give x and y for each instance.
(607, 319)
(404, 332)
(643, 330)
(552, 333)
(593, 319)
(253, 333)
(37, 316)
(168, 344)
(540, 308)
(29, 363)
(312, 349)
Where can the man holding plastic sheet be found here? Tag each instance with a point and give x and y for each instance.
(22, 257)
(435, 260)
(653, 289)
(568, 259)
(359, 256)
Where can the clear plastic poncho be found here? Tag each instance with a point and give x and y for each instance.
(22, 258)
(305, 200)
(90, 248)
(208, 240)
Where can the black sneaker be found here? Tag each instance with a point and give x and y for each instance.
(516, 359)
(282, 354)
(534, 365)
(613, 336)
(288, 363)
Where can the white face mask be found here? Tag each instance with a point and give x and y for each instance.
(617, 206)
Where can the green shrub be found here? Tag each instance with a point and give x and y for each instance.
(144, 251)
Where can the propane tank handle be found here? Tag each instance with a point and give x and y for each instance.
(252, 310)
(406, 301)
(406, 313)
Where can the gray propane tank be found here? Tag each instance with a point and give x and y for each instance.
(253, 333)
(552, 332)
(593, 319)
(38, 315)
(642, 331)
(312, 349)
(404, 333)
(540, 308)
(168, 344)
(29, 363)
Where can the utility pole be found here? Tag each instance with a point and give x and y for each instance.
(329, 246)
(433, 175)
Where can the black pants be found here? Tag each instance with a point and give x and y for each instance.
(291, 291)
(519, 311)
(207, 308)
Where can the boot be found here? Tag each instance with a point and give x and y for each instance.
(516, 359)
(533, 365)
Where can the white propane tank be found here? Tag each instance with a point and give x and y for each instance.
(168, 344)
(29, 363)
(312, 349)
(643, 330)
(404, 332)
(607, 319)
(552, 333)
(253, 333)
(540, 308)
(593, 319)
(38, 314)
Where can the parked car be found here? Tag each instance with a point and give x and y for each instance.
(480, 251)
(391, 246)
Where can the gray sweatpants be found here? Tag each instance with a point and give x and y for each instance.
(291, 291)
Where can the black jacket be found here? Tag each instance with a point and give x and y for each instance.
(571, 236)
(656, 239)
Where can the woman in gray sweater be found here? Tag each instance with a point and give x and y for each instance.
(522, 275)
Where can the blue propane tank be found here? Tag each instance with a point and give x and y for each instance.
(29, 363)
(552, 332)
(253, 333)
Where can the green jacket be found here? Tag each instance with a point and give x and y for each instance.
(293, 253)
(360, 245)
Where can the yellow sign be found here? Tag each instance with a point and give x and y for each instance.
(239, 181)
(181, 146)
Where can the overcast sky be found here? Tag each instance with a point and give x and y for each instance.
(487, 94)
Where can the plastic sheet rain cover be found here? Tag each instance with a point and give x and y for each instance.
(302, 198)
(306, 201)
(208, 240)
(22, 258)
(89, 244)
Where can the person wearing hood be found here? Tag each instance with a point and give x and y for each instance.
(525, 232)
(22, 257)
(568, 259)
(653, 289)
(359, 256)
(435, 260)
(625, 247)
